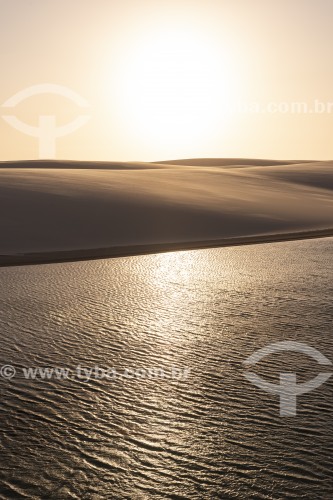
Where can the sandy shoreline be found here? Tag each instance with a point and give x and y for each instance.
(132, 250)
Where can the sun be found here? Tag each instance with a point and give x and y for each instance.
(175, 87)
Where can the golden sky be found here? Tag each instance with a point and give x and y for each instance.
(170, 79)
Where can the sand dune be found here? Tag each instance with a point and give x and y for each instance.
(49, 206)
(228, 162)
(80, 165)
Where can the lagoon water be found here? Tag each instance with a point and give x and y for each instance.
(166, 411)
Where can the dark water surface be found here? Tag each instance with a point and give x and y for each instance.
(167, 411)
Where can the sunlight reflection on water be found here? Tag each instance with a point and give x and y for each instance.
(210, 435)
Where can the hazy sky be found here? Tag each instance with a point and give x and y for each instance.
(171, 79)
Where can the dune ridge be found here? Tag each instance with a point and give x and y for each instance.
(228, 162)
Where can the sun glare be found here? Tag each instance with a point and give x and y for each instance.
(175, 88)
